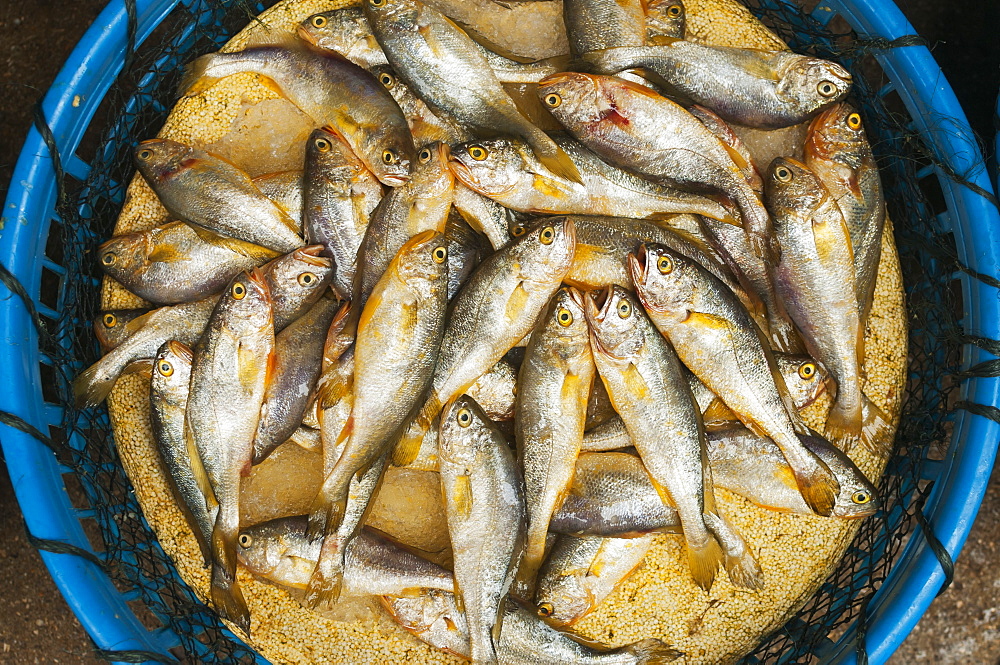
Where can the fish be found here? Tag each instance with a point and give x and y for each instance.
(643, 377)
(298, 350)
(229, 376)
(593, 25)
(580, 573)
(113, 327)
(506, 170)
(201, 188)
(425, 125)
(632, 127)
(613, 496)
(436, 618)
(279, 551)
(465, 250)
(296, 281)
(599, 407)
(731, 139)
(665, 20)
(718, 341)
(340, 196)
(554, 383)
(285, 189)
(177, 262)
(450, 72)
(816, 280)
(398, 337)
(168, 396)
(346, 31)
(316, 81)
(757, 88)
(483, 214)
(184, 323)
(837, 151)
(496, 308)
(485, 508)
(421, 205)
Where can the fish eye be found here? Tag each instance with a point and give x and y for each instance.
(307, 279)
(108, 258)
(390, 157)
(854, 121)
(464, 417)
(624, 309)
(826, 89)
(440, 254)
(546, 609)
(664, 265)
(110, 320)
(377, 3)
(323, 145)
(518, 230)
(318, 21)
(547, 235)
(564, 317)
(807, 370)
(783, 174)
(478, 152)
(165, 368)
(425, 155)
(245, 540)
(387, 79)
(861, 497)
(552, 100)
(239, 291)
(674, 11)
(144, 154)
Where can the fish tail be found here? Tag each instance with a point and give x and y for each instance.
(844, 422)
(817, 484)
(195, 79)
(704, 560)
(782, 334)
(91, 387)
(741, 565)
(524, 582)
(876, 428)
(226, 594)
(328, 508)
(651, 651)
(327, 581)
(552, 156)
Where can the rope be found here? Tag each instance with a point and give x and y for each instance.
(60, 547)
(131, 28)
(42, 125)
(14, 285)
(940, 551)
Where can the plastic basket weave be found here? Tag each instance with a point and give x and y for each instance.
(928, 143)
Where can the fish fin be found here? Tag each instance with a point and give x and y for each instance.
(263, 254)
(408, 447)
(516, 303)
(651, 651)
(718, 413)
(741, 163)
(819, 488)
(198, 468)
(228, 600)
(704, 561)
(876, 428)
(142, 367)
(194, 80)
(741, 565)
(705, 320)
(327, 581)
(552, 156)
(88, 390)
(461, 495)
(345, 431)
(637, 385)
(166, 253)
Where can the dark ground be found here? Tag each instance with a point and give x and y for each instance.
(962, 627)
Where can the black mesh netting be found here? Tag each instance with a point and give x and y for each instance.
(135, 109)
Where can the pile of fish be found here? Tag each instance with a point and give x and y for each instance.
(630, 300)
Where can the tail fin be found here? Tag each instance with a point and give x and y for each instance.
(704, 561)
(876, 428)
(552, 156)
(742, 566)
(228, 600)
(194, 80)
(844, 422)
(650, 652)
(327, 580)
(91, 387)
(818, 486)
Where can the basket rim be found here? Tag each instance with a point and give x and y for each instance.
(69, 107)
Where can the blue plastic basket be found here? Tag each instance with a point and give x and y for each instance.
(70, 106)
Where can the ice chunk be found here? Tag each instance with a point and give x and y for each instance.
(409, 508)
(284, 484)
(266, 138)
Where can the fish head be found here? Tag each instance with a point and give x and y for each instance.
(544, 249)
(247, 301)
(614, 317)
(665, 18)
(422, 263)
(466, 434)
(125, 254)
(858, 497)
(299, 275)
(667, 282)
(838, 135)
(160, 159)
(566, 321)
(329, 156)
(340, 30)
(805, 377)
(577, 100)
(171, 373)
(390, 80)
(431, 177)
(434, 617)
(490, 167)
(112, 327)
(395, 16)
(269, 549)
(394, 146)
(810, 84)
(791, 190)
(561, 598)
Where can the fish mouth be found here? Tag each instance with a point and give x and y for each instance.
(579, 297)
(463, 173)
(637, 264)
(305, 35)
(394, 179)
(181, 350)
(561, 77)
(310, 255)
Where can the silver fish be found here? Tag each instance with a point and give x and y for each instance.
(600, 24)
(484, 215)
(665, 20)
(296, 281)
(465, 249)
(285, 189)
